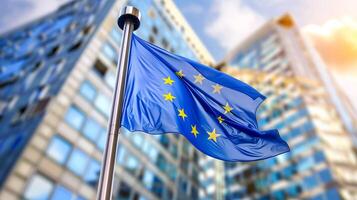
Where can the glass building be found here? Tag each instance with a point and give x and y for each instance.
(305, 105)
(56, 81)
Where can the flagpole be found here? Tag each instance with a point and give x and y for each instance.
(128, 21)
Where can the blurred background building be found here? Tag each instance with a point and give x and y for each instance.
(309, 111)
(56, 79)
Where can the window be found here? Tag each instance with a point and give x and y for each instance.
(61, 193)
(325, 175)
(75, 46)
(158, 187)
(58, 149)
(39, 188)
(116, 35)
(91, 129)
(121, 154)
(102, 103)
(124, 191)
(100, 69)
(148, 179)
(131, 163)
(138, 139)
(102, 139)
(88, 91)
(153, 153)
(110, 52)
(53, 51)
(110, 79)
(78, 162)
(92, 174)
(74, 117)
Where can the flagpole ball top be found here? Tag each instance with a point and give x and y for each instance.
(129, 13)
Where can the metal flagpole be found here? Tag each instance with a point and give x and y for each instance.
(128, 21)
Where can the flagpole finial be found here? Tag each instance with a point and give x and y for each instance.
(129, 13)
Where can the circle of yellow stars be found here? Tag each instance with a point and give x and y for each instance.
(198, 79)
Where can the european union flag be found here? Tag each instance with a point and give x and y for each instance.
(166, 93)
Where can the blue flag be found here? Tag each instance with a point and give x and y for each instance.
(166, 93)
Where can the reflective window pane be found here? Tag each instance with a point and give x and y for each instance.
(88, 91)
(131, 163)
(109, 52)
(78, 162)
(116, 35)
(148, 179)
(102, 139)
(121, 155)
(110, 79)
(91, 129)
(61, 193)
(103, 103)
(137, 139)
(39, 188)
(92, 174)
(74, 117)
(58, 149)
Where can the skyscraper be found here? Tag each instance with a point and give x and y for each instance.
(303, 104)
(56, 79)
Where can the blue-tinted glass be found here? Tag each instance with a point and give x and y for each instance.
(148, 179)
(61, 193)
(171, 171)
(109, 52)
(58, 149)
(78, 162)
(137, 139)
(305, 164)
(102, 139)
(121, 154)
(131, 163)
(80, 198)
(74, 117)
(319, 157)
(103, 104)
(183, 184)
(93, 172)
(325, 175)
(110, 79)
(318, 197)
(91, 129)
(333, 194)
(39, 188)
(116, 35)
(310, 182)
(88, 91)
(158, 187)
(278, 195)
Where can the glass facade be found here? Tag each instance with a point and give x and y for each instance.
(65, 64)
(294, 107)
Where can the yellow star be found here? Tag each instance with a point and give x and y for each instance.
(194, 130)
(213, 135)
(227, 108)
(199, 78)
(180, 74)
(220, 119)
(168, 80)
(217, 88)
(169, 97)
(182, 113)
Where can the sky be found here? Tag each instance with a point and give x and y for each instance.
(331, 25)
(222, 24)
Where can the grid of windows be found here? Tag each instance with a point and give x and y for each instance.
(41, 188)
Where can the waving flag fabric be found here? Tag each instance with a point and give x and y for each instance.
(167, 93)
